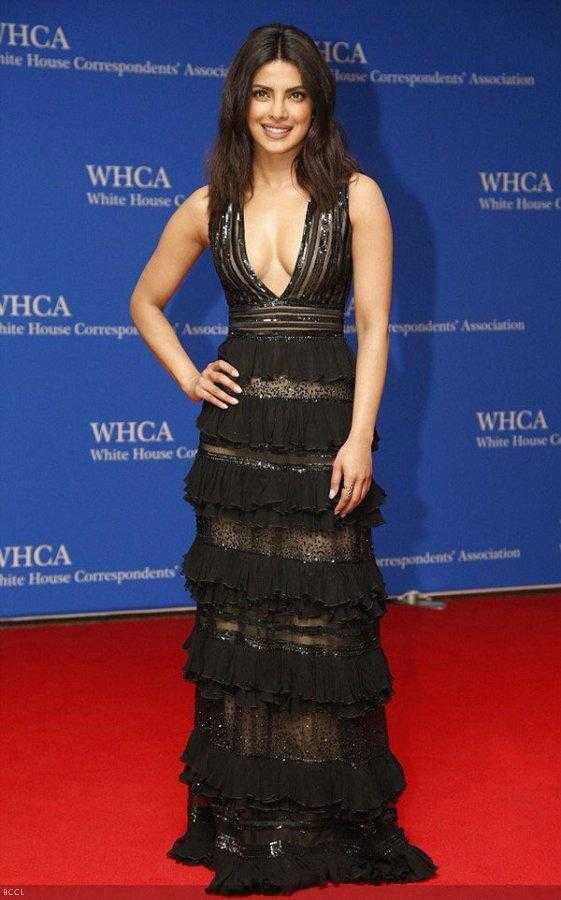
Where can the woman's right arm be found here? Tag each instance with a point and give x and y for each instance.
(181, 242)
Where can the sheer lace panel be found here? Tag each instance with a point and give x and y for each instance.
(314, 736)
(264, 459)
(349, 544)
(281, 388)
(293, 632)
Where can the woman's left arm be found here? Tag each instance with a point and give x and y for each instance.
(372, 252)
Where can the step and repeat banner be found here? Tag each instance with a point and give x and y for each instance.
(107, 113)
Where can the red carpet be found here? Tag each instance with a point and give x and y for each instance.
(96, 714)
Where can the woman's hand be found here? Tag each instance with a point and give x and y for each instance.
(205, 385)
(352, 468)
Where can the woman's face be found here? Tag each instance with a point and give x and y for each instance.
(278, 98)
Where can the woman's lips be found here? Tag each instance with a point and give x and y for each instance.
(276, 133)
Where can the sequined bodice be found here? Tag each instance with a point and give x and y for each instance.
(323, 269)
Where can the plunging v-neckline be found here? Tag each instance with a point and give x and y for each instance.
(252, 271)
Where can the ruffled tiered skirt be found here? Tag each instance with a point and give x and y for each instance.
(291, 779)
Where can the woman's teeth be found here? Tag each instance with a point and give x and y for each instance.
(275, 132)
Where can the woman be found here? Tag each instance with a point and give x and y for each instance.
(291, 780)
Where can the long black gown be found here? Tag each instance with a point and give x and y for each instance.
(291, 779)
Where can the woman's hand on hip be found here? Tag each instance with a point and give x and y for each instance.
(206, 385)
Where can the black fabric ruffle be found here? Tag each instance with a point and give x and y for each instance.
(347, 685)
(226, 601)
(211, 690)
(195, 846)
(388, 858)
(270, 780)
(316, 357)
(281, 424)
(260, 576)
(282, 496)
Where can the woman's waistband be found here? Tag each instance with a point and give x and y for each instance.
(285, 317)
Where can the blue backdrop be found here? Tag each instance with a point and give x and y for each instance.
(107, 115)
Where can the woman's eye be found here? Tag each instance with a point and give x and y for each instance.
(260, 92)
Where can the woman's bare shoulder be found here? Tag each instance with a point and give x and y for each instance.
(192, 214)
(366, 199)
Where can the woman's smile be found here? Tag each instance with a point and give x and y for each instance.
(276, 131)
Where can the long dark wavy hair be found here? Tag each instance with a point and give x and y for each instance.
(322, 165)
